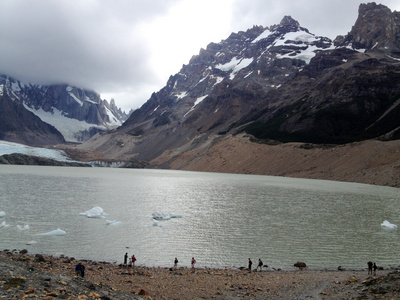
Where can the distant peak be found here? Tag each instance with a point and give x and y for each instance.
(288, 20)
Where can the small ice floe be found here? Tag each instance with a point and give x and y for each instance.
(157, 224)
(164, 216)
(95, 212)
(2, 214)
(175, 215)
(55, 232)
(109, 222)
(31, 242)
(157, 215)
(387, 224)
(3, 224)
(25, 227)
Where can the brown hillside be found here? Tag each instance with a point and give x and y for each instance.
(371, 162)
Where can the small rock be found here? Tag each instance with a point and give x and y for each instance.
(142, 292)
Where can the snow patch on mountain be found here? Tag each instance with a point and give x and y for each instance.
(235, 65)
(262, 36)
(198, 100)
(66, 126)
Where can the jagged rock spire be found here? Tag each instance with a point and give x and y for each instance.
(288, 20)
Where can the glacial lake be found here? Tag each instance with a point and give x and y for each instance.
(224, 218)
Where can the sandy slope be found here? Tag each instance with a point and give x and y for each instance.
(372, 162)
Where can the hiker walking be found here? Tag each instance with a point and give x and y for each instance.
(260, 264)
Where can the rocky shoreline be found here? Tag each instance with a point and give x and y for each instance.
(47, 277)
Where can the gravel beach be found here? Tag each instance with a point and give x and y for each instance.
(46, 277)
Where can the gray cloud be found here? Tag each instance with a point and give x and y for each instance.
(93, 44)
(103, 45)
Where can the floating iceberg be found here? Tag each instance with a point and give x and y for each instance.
(4, 224)
(31, 242)
(20, 227)
(113, 222)
(55, 232)
(156, 223)
(387, 224)
(2, 214)
(164, 216)
(174, 215)
(160, 216)
(95, 212)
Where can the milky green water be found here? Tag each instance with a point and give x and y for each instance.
(225, 218)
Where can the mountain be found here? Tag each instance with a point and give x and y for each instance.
(76, 114)
(282, 79)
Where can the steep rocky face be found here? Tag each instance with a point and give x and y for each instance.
(278, 83)
(21, 126)
(77, 113)
(377, 27)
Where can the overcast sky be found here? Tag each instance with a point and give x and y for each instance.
(127, 49)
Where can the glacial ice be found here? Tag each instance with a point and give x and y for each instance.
(25, 227)
(113, 222)
(387, 224)
(156, 223)
(160, 216)
(55, 232)
(157, 215)
(2, 214)
(3, 224)
(95, 212)
(31, 242)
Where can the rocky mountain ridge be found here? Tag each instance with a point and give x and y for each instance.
(279, 83)
(76, 113)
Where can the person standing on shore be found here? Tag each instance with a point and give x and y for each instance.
(193, 262)
(260, 264)
(369, 267)
(133, 261)
(375, 267)
(78, 269)
(175, 263)
(250, 264)
(82, 271)
(126, 259)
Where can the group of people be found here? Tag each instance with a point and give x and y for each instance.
(132, 260)
(372, 267)
(260, 264)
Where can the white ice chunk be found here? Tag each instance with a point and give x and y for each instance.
(160, 216)
(55, 232)
(4, 224)
(175, 215)
(31, 242)
(25, 227)
(387, 224)
(114, 222)
(2, 214)
(95, 212)
(157, 224)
